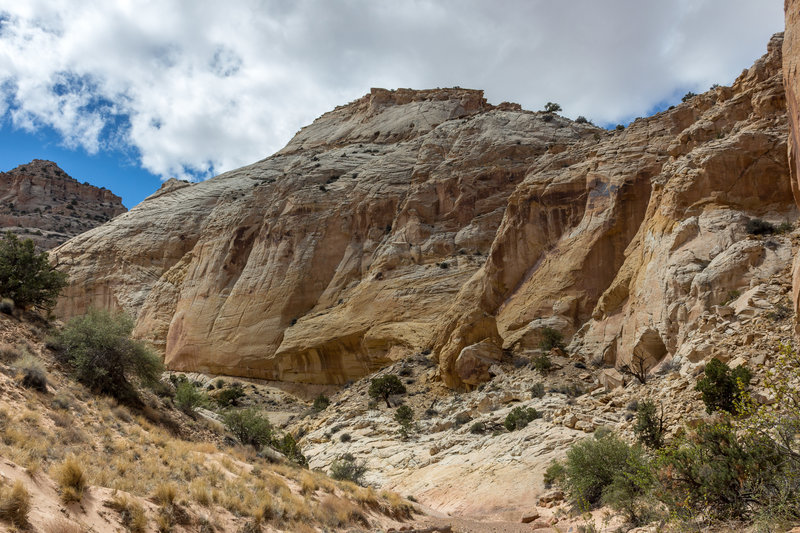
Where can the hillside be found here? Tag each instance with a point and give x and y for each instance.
(39, 201)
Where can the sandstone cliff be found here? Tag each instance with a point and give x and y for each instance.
(628, 241)
(41, 202)
(329, 259)
(412, 220)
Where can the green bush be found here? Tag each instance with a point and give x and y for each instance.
(348, 468)
(26, 276)
(551, 338)
(756, 226)
(542, 363)
(688, 96)
(519, 417)
(385, 386)
(249, 426)
(477, 428)
(601, 465)
(537, 391)
(404, 416)
(188, 398)
(229, 396)
(649, 428)
(721, 474)
(552, 107)
(288, 446)
(98, 348)
(321, 403)
(554, 475)
(722, 388)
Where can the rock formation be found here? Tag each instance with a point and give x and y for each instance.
(413, 220)
(40, 201)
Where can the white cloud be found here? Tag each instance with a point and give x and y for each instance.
(196, 85)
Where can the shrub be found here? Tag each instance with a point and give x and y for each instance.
(249, 426)
(26, 276)
(345, 437)
(619, 127)
(102, 355)
(722, 388)
(130, 511)
(756, 226)
(552, 107)
(15, 503)
(33, 373)
(721, 474)
(542, 363)
(321, 403)
(519, 417)
(581, 120)
(688, 96)
(477, 428)
(554, 475)
(70, 479)
(385, 386)
(7, 306)
(537, 391)
(288, 446)
(404, 415)
(188, 398)
(551, 338)
(649, 428)
(230, 396)
(347, 468)
(604, 469)
(461, 419)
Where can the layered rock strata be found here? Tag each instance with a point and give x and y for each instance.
(41, 202)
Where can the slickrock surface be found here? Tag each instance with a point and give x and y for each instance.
(40, 201)
(329, 259)
(411, 220)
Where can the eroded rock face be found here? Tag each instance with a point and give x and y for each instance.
(39, 201)
(412, 220)
(628, 240)
(791, 80)
(331, 258)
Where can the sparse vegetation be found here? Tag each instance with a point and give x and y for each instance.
(26, 277)
(15, 504)
(688, 96)
(520, 417)
(348, 468)
(552, 107)
(537, 390)
(638, 367)
(723, 387)
(32, 373)
(321, 403)
(404, 416)
(650, 424)
(756, 226)
(385, 386)
(551, 338)
(542, 363)
(98, 348)
(249, 426)
(188, 398)
(230, 396)
(581, 120)
(71, 479)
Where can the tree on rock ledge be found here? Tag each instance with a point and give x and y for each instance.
(385, 386)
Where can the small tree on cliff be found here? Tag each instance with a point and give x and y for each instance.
(26, 276)
(385, 386)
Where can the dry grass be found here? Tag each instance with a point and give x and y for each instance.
(71, 480)
(131, 513)
(62, 525)
(165, 493)
(15, 503)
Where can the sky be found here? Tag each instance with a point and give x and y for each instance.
(124, 94)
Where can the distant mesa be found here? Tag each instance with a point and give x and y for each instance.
(40, 201)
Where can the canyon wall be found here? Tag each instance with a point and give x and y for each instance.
(409, 221)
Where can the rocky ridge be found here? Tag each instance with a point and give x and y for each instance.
(41, 202)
